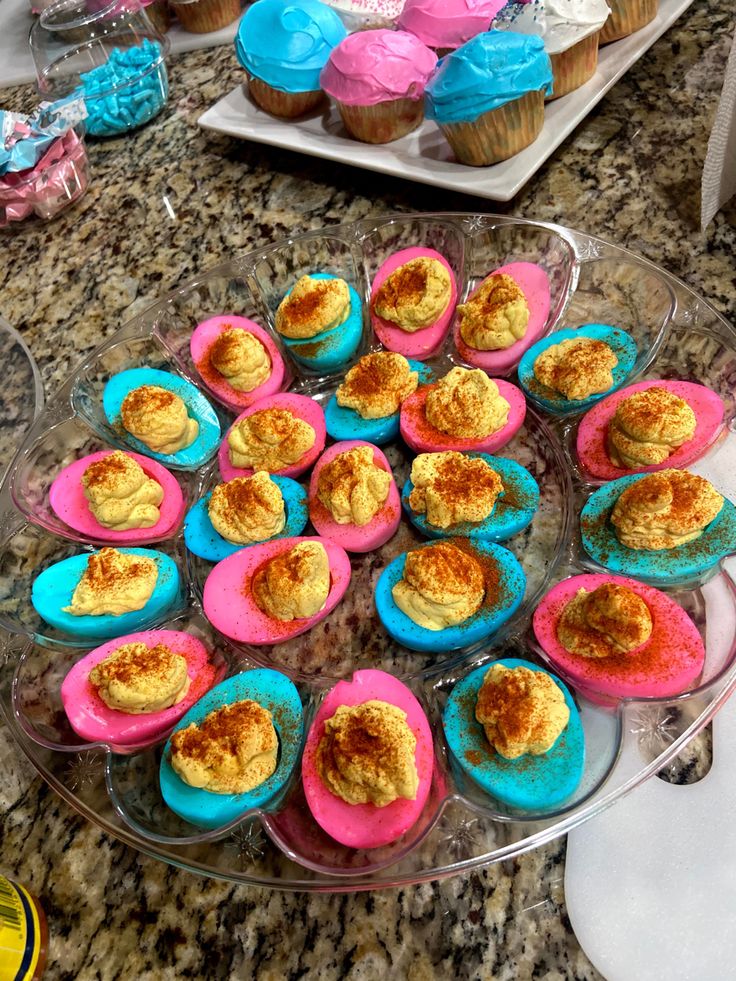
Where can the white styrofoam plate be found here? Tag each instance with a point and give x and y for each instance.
(16, 62)
(424, 155)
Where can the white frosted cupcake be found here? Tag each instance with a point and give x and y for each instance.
(570, 30)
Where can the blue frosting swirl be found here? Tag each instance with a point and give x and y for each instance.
(286, 43)
(490, 70)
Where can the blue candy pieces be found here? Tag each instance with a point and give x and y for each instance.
(126, 91)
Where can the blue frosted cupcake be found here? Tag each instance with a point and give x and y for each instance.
(488, 96)
(283, 46)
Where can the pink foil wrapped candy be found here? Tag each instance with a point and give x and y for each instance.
(59, 178)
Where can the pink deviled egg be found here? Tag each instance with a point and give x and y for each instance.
(420, 343)
(201, 344)
(124, 732)
(228, 599)
(367, 825)
(664, 665)
(592, 439)
(533, 282)
(68, 501)
(300, 407)
(423, 437)
(353, 537)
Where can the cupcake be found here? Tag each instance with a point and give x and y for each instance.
(626, 17)
(283, 46)
(446, 24)
(488, 96)
(377, 79)
(570, 31)
(159, 13)
(203, 16)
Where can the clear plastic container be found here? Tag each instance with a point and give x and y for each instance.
(461, 827)
(45, 191)
(112, 55)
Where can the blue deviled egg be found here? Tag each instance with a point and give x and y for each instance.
(192, 456)
(529, 782)
(513, 510)
(53, 589)
(373, 374)
(203, 540)
(325, 350)
(561, 401)
(274, 692)
(484, 578)
(681, 564)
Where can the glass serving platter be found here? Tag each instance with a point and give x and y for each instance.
(678, 335)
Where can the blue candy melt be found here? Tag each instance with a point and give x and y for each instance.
(530, 783)
(191, 457)
(332, 348)
(479, 627)
(53, 590)
(667, 566)
(273, 691)
(201, 538)
(343, 423)
(126, 91)
(513, 511)
(622, 344)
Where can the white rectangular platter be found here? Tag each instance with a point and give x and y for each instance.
(16, 63)
(424, 155)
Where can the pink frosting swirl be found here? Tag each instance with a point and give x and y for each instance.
(374, 66)
(448, 23)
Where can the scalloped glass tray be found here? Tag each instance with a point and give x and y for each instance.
(678, 336)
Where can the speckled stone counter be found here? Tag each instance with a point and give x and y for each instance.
(172, 200)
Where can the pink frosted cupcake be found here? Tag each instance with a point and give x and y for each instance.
(377, 79)
(446, 24)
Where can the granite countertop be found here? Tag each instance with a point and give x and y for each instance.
(171, 200)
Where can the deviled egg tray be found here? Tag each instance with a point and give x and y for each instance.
(678, 335)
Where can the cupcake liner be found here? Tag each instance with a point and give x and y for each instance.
(573, 68)
(203, 16)
(383, 122)
(159, 15)
(287, 105)
(499, 133)
(626, 17)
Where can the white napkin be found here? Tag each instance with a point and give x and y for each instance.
(719, 172)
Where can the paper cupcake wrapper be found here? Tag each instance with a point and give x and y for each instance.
(384, 122)
(203, 16)
(499, 133)
(159, 15)
(573, 68)
(287, 105)
(626, 17)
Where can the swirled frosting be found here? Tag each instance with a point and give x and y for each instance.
(448, 23)
(487, 72)
(375, 66)
(287, 44)
(560, 23)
